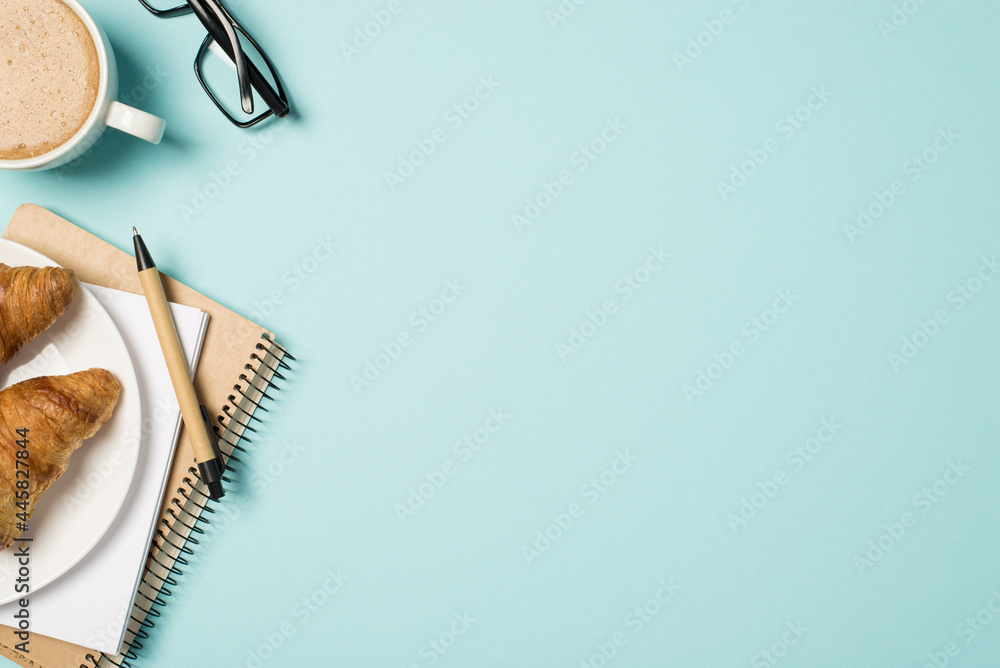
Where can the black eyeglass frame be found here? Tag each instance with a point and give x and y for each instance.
(275, 97)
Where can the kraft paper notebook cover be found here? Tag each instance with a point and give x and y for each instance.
(236, 352)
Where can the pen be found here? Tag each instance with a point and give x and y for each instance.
(199, 431)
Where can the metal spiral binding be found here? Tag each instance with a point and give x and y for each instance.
(187, 508)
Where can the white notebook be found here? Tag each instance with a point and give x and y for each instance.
(89, 605)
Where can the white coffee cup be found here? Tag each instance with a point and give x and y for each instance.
(107, 110)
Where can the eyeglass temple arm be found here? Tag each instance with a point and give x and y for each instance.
(179, 10)
(273, 99)
(215, 20)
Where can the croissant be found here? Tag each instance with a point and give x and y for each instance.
(31, 299)
(58, 414)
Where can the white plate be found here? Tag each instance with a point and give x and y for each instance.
(73, 514)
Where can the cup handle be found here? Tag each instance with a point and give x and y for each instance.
(135, 122)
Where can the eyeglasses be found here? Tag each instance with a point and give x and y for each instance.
(254, 70)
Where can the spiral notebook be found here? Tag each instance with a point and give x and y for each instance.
(240, 362)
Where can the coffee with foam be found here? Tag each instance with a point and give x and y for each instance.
(49, 76)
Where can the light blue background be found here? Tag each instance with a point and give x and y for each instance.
(321, 175)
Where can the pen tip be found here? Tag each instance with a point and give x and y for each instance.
(135, 232)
